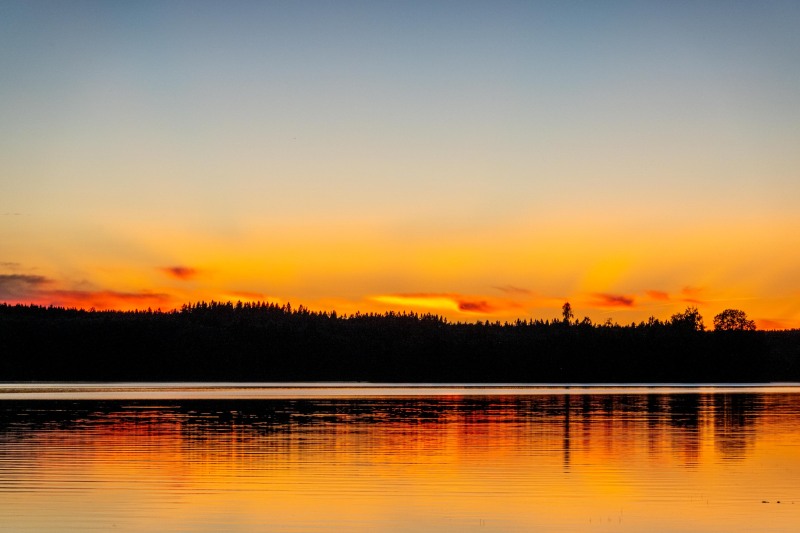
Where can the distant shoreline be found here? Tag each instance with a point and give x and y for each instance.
(240, 344)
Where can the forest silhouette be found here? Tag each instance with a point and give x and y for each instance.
(223, 341)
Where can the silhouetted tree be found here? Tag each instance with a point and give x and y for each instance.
(689, 319)
(566, 312)
(260, 341)
(733, 320)
(652, 322)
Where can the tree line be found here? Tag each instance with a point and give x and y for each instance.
(225, 341)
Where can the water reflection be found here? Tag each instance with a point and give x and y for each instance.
(588, 462)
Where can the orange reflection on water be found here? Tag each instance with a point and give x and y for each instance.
(697, 462)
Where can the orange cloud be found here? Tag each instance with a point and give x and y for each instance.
(691, 295)
(430, 301)
(104, 299)
(182, 273)
(246, 295)
(687, 294)
(447, 302)
(658, 295)
(612, 300)
(31, 289)
(776, 324)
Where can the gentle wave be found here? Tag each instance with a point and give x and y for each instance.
(694, 460)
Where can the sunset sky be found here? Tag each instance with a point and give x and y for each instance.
(479, 160)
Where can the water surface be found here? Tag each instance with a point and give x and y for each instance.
(322, 457)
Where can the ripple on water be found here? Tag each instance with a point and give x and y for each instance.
(624, 461)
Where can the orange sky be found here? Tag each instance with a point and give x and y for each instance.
(476, 163)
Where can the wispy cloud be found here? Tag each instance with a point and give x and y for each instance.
(249, 296)
(776, 323)
(246, 295)
(688, 294)
(661, 296)
(182, 273)
(511, 289)
(425, 300)
(20, 286)
(32, 289)
(612, 300)
(447, 302)
(105, 299)
(692, 295)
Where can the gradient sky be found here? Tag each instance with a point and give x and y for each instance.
(480, 160)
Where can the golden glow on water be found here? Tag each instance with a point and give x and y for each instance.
(557, 462)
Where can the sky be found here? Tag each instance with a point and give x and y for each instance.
(476, 160)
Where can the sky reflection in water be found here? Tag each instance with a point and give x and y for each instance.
(664, 460)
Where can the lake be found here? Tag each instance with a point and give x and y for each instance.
(378, 458)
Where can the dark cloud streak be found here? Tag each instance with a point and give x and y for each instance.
(511, 289)
(182, 273)
(613, 300)
(13, 286)
(475, 306)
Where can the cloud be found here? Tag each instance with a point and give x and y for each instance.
(249, 296)
(612, 300)
(182, 273)
(687, 294)
(431, 301)
(246, 295)
(447, 302)
(691, 295)
(20, 286)
(11, 265)
(658, 295)
(511, 289)
(105, 299)
(475, 306)
(776, 324)
(31, 289)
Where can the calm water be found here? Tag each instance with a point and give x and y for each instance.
(366, 458)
